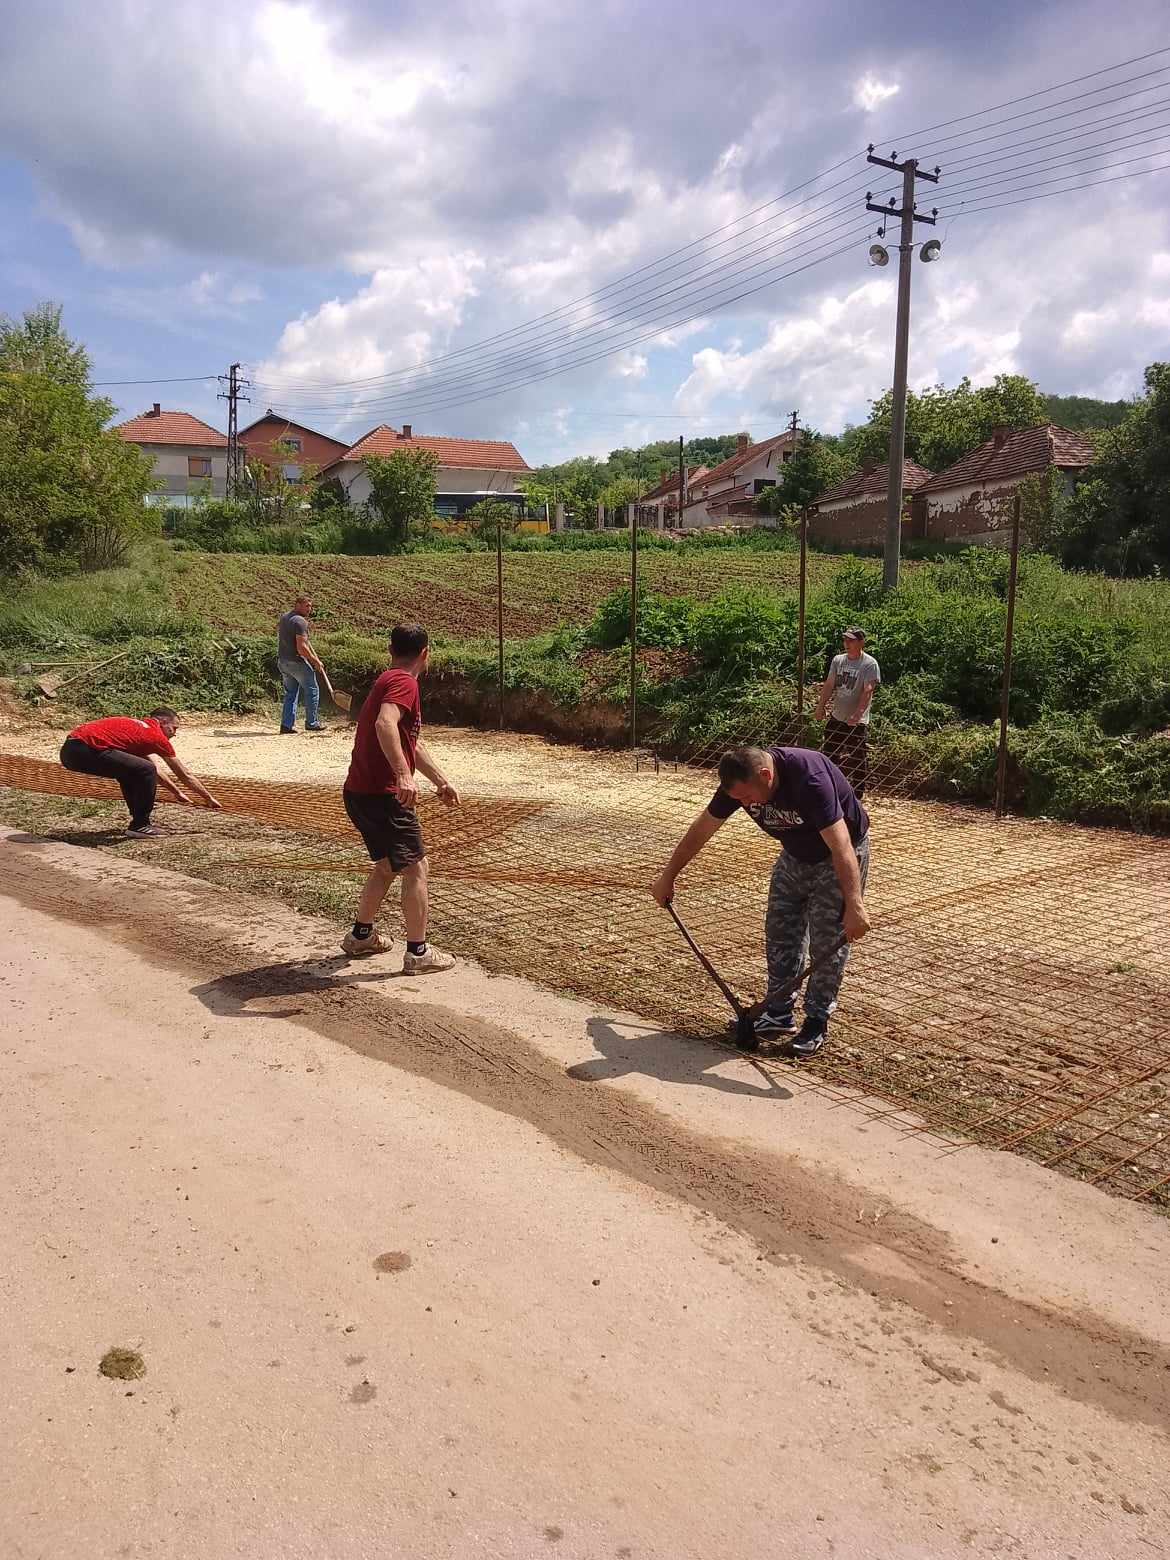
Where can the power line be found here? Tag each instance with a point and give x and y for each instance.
(1059, 86)
(389, 380)
(1006, 176)
(1040, 184)
(618, 282)
(423, 384)
(1088, 185)
(940, 147)
(563, 368)
(1060, 138)
(187, 379)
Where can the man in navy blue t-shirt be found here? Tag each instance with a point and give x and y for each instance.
(803, 800)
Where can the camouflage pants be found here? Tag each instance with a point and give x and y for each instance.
(805, 906)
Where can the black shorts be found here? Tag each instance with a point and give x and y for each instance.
(387, 828)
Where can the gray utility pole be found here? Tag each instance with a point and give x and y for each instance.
(682, 483)
(910, 171)
(793, 421)
(233, 396)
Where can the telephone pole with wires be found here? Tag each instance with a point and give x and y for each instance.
(908, 214)
(233, 396)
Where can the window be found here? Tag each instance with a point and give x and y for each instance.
(198, 465)
(291, 472)
(786, 455)
(292, 444)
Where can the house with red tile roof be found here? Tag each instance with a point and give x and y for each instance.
(660, 505)
(288, 447)
(469, 469)
(854, 510)
(972, 500)
(728, 491)
(190, 456)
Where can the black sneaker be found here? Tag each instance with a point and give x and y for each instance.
(775, 1021)
(811, 1037)
(287, 731)
(317, 727)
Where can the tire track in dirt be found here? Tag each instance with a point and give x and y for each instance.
(787, 1209)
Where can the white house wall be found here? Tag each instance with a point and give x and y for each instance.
(448, 479)
(761, 468)
(170, 469)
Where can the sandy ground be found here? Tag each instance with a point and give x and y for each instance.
(990, 998)
(493, 764)
(464, 1269)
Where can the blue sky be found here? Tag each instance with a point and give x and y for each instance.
(344, 192)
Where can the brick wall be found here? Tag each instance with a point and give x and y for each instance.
(859, 523)
(316, 449)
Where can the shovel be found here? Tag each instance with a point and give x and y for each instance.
(341, 700)
(746, 1038)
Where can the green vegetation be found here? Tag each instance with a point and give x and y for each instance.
(71, 492)
(1082, 413)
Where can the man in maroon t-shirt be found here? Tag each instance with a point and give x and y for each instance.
(380, 795)
(119, 748)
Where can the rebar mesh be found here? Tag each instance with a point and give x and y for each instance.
(1014, 990)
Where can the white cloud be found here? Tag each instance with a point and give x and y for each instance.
(630, 365)
(869, 93)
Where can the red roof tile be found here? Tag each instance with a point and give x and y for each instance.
(732, 464)
(1019, 454)
(862, 484)
(729, 495)
(669, 483)
(170, 428)
(491, 454)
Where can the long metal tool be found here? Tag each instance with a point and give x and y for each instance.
(746, 1038)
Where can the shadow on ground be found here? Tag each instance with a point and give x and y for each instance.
(657, 1053)
(229, 996)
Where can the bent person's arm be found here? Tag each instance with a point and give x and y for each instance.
(692, 842)
(188, 778)
(855, 921)
(424, 762)
(307, 653)
(390, 741)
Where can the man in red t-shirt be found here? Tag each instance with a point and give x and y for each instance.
(119, 748)
(380, 795)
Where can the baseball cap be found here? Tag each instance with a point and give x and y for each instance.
(855, 633)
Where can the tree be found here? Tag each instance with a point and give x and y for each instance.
(944, 425)
(815, 464)
(490, 516)
(402, 493)
(620, 492)
(273, 497)
(1083, 413)
(1118, 519)
(71, 491)
(39, 345)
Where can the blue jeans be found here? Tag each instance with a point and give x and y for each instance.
(299, 679)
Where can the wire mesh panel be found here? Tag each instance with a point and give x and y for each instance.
(1014, 989)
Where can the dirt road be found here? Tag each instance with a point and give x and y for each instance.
(464, 1269)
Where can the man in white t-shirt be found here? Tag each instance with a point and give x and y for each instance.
(845, 697)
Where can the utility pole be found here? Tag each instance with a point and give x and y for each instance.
(233, 396)
(793, 421)
(910, 172)
(682, 482)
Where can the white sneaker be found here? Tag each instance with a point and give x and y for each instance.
(359, 947)
(428, 963)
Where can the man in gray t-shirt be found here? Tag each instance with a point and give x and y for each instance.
(845, 696)
(299, 666)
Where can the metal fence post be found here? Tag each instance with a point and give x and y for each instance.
(634, 627)
(500, 613)
(1009, 630)
(800, 622)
